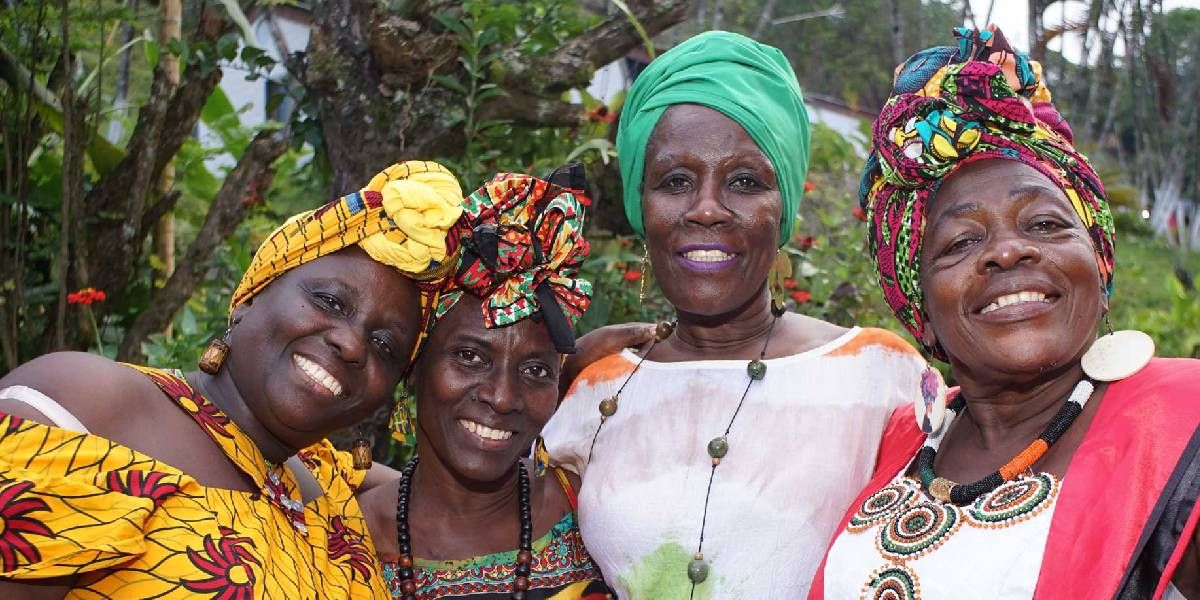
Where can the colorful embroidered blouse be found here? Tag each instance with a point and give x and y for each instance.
(561, 570)
(132, 527)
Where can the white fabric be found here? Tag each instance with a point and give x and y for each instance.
(800, 450)
(54, 412)
(973, 562)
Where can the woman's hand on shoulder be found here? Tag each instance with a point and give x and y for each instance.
(93, 388)
(602, 342)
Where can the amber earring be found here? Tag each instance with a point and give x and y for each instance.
(217, 351)
(360, 450)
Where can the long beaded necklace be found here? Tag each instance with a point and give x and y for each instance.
(717, 448)
(406, 574)
(961, 494)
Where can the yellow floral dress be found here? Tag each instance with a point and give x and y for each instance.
(132, 527)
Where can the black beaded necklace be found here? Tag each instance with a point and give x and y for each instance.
(717, 448)
(406, 574)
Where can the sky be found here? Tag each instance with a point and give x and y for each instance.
(1012, 18)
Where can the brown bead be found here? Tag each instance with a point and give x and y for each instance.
(524, 557)
(361, 451)
(214, 356)
(408, 586)
(521, 583)
(405, 561)
(664, 330)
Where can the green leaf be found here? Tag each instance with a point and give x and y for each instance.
(451, 83)
(637, 25)
(239, 18)
(227, 47)
(151, 49)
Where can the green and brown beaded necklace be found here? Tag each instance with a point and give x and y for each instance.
(717, 448)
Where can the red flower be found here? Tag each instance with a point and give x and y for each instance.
(86, 296)
(601, 113)
(801, 296)
(142, 484)
(14, 523)
(228, 562)
(860, 214)
(789, 283)
(809, 186)
(632, 275)
(344, 541)
(806, 242)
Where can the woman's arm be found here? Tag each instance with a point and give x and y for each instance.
(37, 589)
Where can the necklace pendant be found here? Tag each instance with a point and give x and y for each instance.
(1117, 355)
(608, 407)
(697, 570)
(940, 488)
(756, 369)
(718, 447)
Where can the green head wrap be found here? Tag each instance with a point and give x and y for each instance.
(749, 82)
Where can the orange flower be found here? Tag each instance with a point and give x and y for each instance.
(809, 186)
(86, 296)
(601, 113)
(789, 283)
(860, 214)
(632, 275)
(801, 296)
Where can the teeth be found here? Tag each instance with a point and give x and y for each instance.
(484, 431)
(707, 255)
(1010, 299)
(317, 374)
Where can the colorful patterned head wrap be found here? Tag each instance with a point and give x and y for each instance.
(951, 106)
(521, 249)
(401, 218)
(751, 83)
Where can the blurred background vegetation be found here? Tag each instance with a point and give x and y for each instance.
(131, 166)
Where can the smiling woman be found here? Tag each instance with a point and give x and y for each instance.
(1066, 465)
(466, 520)
(129, 482)
(713, 460)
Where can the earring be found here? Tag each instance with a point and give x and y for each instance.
(214, 355)
(1117, 355)
(401, 422)
(780, 271)
(360, 449)
(541, 457)
(930, 404)
(642, 279)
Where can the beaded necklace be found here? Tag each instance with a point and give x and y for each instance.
(406, 574)
(717, 448)
(961, 494)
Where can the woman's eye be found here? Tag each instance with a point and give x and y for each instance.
(1046, 225)
(538, 371)
(958, 245)
(745, 183)
(383, 344)
(468, 356)
(675, 184)
(330, 302)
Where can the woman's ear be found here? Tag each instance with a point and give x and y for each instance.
(928, 337)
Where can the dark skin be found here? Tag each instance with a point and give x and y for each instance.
(999, 227)
(709, 189)
(464, 492)
(355, 318)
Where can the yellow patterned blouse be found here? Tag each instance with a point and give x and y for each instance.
(132, 527)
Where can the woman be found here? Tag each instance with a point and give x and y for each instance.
(1066, 465)
(468, 522)
(714, 460)
(131, 482)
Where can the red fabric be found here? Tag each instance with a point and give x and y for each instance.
(1143, 425)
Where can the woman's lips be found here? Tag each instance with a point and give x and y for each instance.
(705, 259)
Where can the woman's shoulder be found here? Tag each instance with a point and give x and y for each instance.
(808, 334)
(93, 388)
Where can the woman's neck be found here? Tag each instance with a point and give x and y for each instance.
(221, 390)
(705, 337)
(446, 494)
(1000, 411)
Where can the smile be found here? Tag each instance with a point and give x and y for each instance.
(708, 256)
(705, 258)
(318, 375)
(1015, 298)
(485, 432)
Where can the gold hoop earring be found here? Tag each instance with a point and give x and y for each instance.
(780, 271)
(642, 279)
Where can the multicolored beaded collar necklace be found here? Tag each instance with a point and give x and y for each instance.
(945, 490)
(408, 584)
(717, 448)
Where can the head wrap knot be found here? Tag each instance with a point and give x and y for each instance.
(951, 106)
(401, 219)
(751, 83)
(521, 249)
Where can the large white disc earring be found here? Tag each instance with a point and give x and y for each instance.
(1117, 355)
(929, 404)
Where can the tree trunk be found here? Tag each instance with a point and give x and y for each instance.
(169, 27)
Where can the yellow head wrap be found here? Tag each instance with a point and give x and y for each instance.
(400, 219)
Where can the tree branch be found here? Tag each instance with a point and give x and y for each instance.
(572, 63)
(243, 186)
